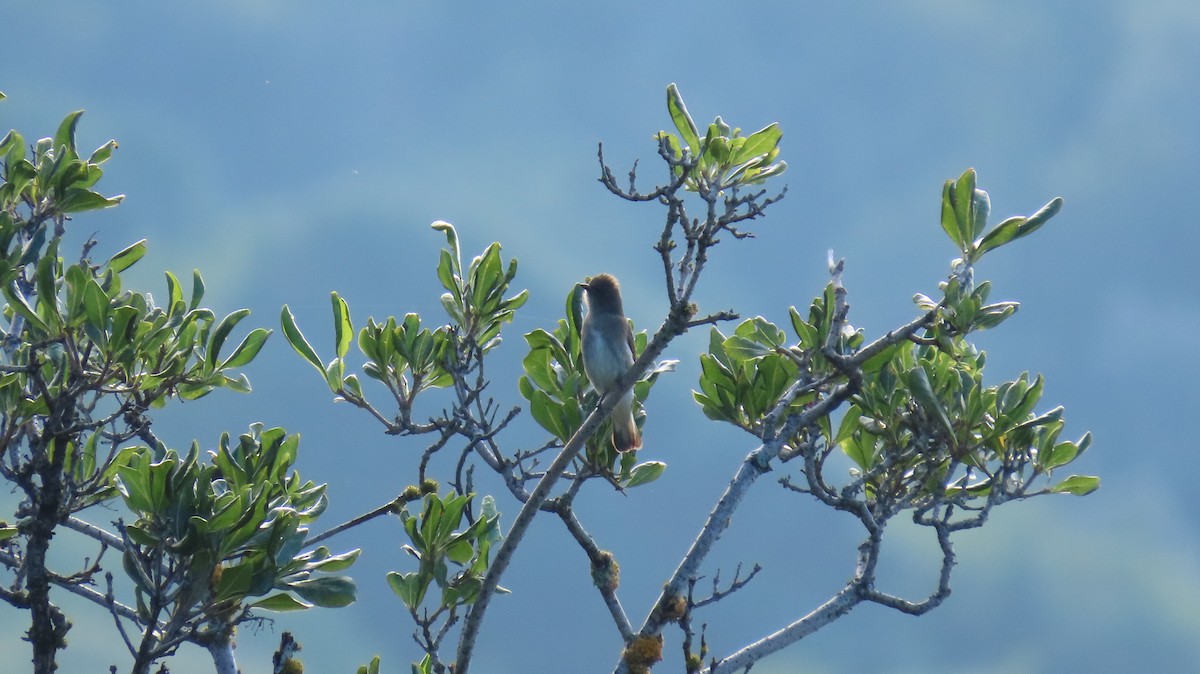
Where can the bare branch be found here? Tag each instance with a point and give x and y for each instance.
(389, 508)
(604, 567)
(841, 604)
(679, 166)
(737, 584)
(718, 317)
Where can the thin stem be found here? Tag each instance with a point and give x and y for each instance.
(386, 509)
(839, 605)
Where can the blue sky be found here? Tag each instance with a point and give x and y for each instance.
(287, 149)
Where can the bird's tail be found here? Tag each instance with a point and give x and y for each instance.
(625, 437)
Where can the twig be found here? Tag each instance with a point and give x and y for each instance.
(388, 508)
(737, 584)
(839, 605)
(112, 609)
(753, 466)
(598, 559)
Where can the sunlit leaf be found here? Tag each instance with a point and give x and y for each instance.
(682, 120)
(1079, 485)
(296, 338)
(644, 473)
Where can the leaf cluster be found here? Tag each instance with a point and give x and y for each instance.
(965, 210)
(723, 157)
(925, 428)
(237, 525)
(745, 375)
(408, 358)
(476, 301)
(922, 428)
(84, 361)
(53, 180)
(437, 542)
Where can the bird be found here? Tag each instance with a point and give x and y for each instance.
(608, 353)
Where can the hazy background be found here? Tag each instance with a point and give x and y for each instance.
(288, 149)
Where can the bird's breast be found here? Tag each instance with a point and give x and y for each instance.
(605, 359)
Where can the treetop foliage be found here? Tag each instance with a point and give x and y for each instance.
(210, 540)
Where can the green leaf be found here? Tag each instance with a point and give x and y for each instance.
(644, 473)
(373, 666)
(964, 206)
(77, 200)
(14, 143)
(127, 257)
(409, 587)
(918, 383)
(460, 551)
(759, 143)
(981, 207)
(682, 120)
(548, 414)
(993, 314)
(1002, 234)
(221, 333)
(741, 349)
(236, 581)
(1047, 418)
(74, 173)
(447, 276)
(19, 304)
(248, 348)
(880, 360)
(861, 450)
(1084, 443)
(717, 147)
(135, 571)
(46, 276)
(850, 423)
(763, 331)
(87, 458)
(451, 238)
(335, 373)
(103, 152)
(1040, 218)
(66, 132)
(197, 290)
(174, 295)
(1018, 406)
(771, 172)
(451, 516)
(949, 219)
(328, 592)
(343, 330)
(338, 562)
(296, 338)
(1062, 454)
(1079, 485)
(280, 603)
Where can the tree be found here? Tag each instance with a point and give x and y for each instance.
(213, 541)
(84, 362)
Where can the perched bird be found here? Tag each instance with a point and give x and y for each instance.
(608, 354)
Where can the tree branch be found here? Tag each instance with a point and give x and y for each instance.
(841, 604)
(675, 325)
(605, 572)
